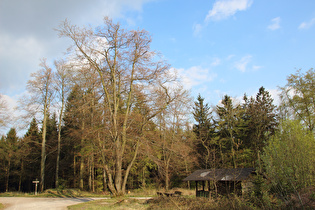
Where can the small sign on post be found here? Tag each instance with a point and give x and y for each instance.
(36, 183)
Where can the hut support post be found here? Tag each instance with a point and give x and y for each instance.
(196, 188)
(209, 189)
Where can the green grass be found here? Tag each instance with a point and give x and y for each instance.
(1, 206)
(66, 193)
(79, 193)
(112, 203)
(15, 194)
(162, 203)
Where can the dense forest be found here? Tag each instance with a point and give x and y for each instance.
(111, 116)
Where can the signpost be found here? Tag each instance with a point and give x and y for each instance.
(36, 183)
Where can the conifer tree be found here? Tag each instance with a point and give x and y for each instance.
(230, 122)
(51, 150)
(72, 135)
(204, 133)
(10, 147)
(262, 121)
(32, 152)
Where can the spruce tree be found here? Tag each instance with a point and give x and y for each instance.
(262, 121)
(10, 146)
(71, 133)
(32, 150)
(204, 132)
(51, 148)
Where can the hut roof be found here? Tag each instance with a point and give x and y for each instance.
(232, 174)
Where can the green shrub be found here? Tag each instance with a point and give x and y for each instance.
(289, 159)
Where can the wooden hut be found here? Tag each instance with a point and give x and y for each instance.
(221, 181)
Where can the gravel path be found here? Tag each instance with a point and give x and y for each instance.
(26, 203)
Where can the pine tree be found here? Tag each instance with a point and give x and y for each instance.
(204, 130)
(262, 121)
(10, 146)
(230, 129)
(51, 151)
(32, 150)
(72, 134)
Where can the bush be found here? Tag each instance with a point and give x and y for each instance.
(289, 158)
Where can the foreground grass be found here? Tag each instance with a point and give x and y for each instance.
(79, 193)
(53, 193)
(187, 201)
(112, 203)
(162, 203)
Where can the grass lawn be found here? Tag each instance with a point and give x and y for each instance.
(113, 203)
(163, 203)
(53, 193)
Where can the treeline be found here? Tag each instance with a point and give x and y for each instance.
(232, 135)
(112, 116)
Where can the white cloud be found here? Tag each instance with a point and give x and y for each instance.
(241, 65)
(255, 68)
(230, 57)
(7, 111)
(275, 24)
(195, 76)
(306, 25)
(18, 58)
(26, 32)
(10, 102)
(223, 9)
(197, 29)
(235, 100)
(216, 62)
(275, 95)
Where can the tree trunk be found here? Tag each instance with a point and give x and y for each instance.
(130, 166)
(104, 180)
(118, 175)
(93, 177)
(90, 174)
(74, 173)
(167, 181)
(7, 176)
(143, 177)
(43, 154)
(110, 184)
(186, 169)
(59, 144)
(21, 174)
(81, 183)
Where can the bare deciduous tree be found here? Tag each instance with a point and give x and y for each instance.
(62, 85)
(4, 112)
(41, 92)
(124, 62)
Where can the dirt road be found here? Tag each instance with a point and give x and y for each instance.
(25, 203)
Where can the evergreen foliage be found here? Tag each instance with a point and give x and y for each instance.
(205, 134)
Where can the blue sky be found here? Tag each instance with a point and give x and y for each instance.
(217, 46)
